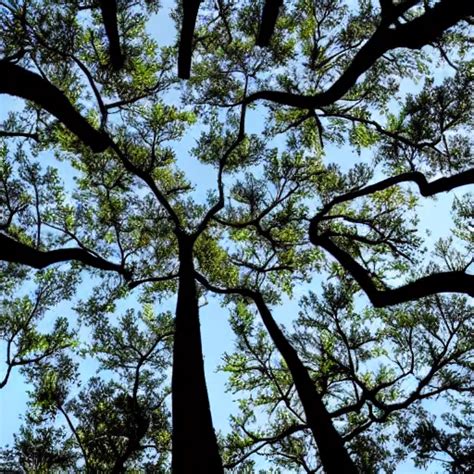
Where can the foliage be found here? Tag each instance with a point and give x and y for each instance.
(126, 191)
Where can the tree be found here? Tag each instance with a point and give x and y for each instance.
(103, 106)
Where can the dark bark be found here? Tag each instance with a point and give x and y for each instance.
(425, 187)
(108, 9)
(7, 134)
(443, 282)
(270, 12)
(334, 456)
(414, 34)
(17, 81)
(17, 252)
(194, 441)
(185, 52)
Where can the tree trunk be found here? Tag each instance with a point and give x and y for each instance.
(194, 449)
(334, 456)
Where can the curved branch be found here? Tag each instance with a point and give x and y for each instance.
(17, 81)
(414, 34)
(426, 188)
(17, 252)
(108, 9)
(268, 21)
(443, 282)
(185, 51)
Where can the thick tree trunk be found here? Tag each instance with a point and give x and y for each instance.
(333, 454)
(195, 448)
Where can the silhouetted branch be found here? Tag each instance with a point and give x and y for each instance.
(219, 205)
(414, 34)
(134, 283)
(17, 252)
(443, 282)
(108, 9)
(17, 81)
(33, 136)
(268, 21)
(426, 188)
(265, 441)
(333, 454)
(185, 52)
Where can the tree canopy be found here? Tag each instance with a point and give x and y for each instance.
(279, 157)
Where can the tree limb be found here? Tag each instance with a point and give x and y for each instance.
(17, 81)
(108, 9)
(426, 188)
(414, 34)
(17, 252)
(268, 21)
(185, 51)
(334, 456)
(33, 136)
(443, 282)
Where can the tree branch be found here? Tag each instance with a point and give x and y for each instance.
(17, 252)
(443, 282)
(268, 21)
(17, 81)
(219, 205)
(426, 188)
(333, 454)
(265, 441)
(185, 51)
(414, 34)
(108, 9)
(33, 136)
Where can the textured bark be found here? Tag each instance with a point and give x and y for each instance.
(195, 447)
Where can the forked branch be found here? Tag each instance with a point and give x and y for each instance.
(413, 34)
